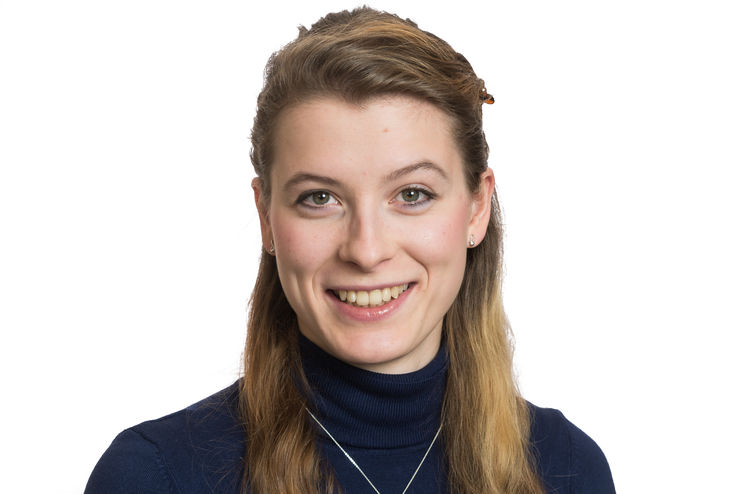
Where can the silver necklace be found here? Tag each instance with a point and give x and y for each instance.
(351, 460)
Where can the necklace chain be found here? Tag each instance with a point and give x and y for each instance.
(354, 463)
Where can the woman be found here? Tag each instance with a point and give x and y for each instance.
(378, 355)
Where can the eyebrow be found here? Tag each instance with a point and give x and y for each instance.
(394, 175)
(421, 165)
(308, 177)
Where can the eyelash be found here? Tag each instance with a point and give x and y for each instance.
(425, 196)
(304, 198)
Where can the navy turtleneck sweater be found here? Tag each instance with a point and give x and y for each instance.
(384, 422)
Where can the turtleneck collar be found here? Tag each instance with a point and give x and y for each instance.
(367, 409)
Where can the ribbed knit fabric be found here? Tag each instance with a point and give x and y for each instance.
(385, 422)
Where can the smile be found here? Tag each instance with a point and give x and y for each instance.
(372, 298)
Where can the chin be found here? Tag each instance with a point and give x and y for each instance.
(384, 355)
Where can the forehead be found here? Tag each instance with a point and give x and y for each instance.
(329, 136)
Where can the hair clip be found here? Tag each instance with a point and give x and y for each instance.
(486, 97)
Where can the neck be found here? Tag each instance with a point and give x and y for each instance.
(367, 409)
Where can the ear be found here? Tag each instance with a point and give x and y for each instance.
(481, 206)
(263, 211)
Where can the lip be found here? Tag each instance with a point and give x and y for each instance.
(369, 314)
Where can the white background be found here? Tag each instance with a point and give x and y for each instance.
(129, 240)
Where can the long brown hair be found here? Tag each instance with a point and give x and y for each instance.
(356, 56)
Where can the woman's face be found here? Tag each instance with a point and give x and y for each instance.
(370, 217)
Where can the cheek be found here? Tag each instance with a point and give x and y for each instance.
(298, 259)
(440, 240)
(302, 247)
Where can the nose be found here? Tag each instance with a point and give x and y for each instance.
(367, 242)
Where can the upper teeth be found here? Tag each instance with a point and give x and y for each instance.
(371, 298)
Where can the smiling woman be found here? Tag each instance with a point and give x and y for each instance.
(370, 200)
(378, 355)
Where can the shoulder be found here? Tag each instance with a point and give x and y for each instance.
(568, 460)
(197, 449)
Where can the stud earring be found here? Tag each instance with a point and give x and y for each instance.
(471, 241)
(272, 247)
